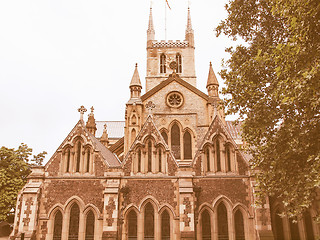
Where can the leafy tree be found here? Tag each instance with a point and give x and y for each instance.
(274, 79)
(15, 166)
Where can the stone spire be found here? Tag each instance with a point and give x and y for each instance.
(189, 30)
(104, 138)
(150, 31)
(91, 123)
(212, 83)
(135, 85)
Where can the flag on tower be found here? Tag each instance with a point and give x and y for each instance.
(168, 4)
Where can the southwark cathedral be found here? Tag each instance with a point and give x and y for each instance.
(173, 169)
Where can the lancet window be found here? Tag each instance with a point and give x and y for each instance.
(132, 225)
(175, 141)
(77, 158)
(206, 225)
(165, 225)
(149, 222)
(57, 228)
(187, 145)
(239, 225)
(90, 226)
(163, 63)
(223, 232)
(74, 222)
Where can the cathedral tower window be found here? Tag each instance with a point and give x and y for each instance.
(228, 158)
(90, 226)
(74, 222)
(149, 222)
(132, 225)
(206, 225)
(308, 225)
(165, 225)
(139, 160)
(218, 155)
(57, 228)
(222, 222)
(179, 63)
(160, 160)
(175, 141)
(163, 63)
(187, 147)
(239, 225)
(78, 156)
(149, 156)
(68, 160)
(207, 153)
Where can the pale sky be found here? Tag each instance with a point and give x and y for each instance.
(56, 55)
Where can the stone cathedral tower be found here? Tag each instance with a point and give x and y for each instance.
(173, 169)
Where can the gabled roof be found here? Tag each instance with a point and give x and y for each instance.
(109, 158)
(149, 128)
(174, 77)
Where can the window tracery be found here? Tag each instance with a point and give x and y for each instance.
(163, 68)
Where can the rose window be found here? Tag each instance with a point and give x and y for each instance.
(174, 99)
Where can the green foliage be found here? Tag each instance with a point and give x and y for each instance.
(14, 168)
(274, 80)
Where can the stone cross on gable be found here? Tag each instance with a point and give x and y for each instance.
(150, 106)
(82, 110)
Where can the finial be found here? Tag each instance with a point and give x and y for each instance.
(82, 110)
(91, 113)
(136, 65)
(150, 106)
(105, 127)
(210, 64)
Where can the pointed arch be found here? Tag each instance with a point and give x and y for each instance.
(218, 154)
(165, 225)
(165, 136)
(57, 225)
(78, 155)
(187, 145)
(149, 223)
(139, 160)
(132, 224)
(175, 140)
(74, 220)
(133, 135)
(222, 217)
(149, 156)
(239, 225)
(90, 224)
(206, 225)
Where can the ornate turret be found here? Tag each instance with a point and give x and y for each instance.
(189, 30)
(104, 138)
(135, 86)
(212, 83)
(91, 123)
(150, 31)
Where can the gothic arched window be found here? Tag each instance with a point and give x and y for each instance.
(239, 225)
(278, 226)
(165, 136)
(308, 225)
(149, 222)
(165, 225)
(68, 160)
(149, 156)
(175, 141)
(228, 156)
(207, 153)
(139, 160)
(218, 155)
(88, 160)
(78, 156)
(179, 63)
(133, 135)
(206, 225)
(132, 225)
(163, 63)
(74, 222)
(90, 226)
(160, 160)
(57, 226)
(222, 222)
(187, 146)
